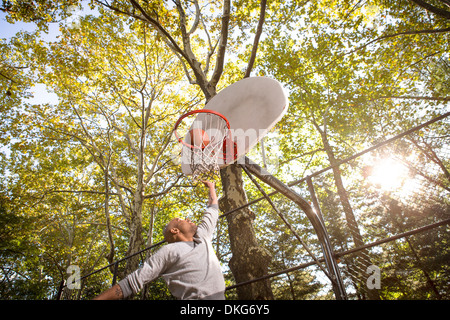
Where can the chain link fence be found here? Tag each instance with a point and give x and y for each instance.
(388, 222)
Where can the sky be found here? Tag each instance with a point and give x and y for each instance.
(8, 30)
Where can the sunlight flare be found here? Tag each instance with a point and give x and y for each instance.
(389, 174)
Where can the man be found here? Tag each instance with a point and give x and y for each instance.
(188, 263)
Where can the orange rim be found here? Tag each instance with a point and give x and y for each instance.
(191, 146)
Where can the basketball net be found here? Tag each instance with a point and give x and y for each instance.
(204, 162)
(207, 144)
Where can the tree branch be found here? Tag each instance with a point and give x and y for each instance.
(197, 18)
(189, 55)
(155, 161)
(446, 2)
(82, 191)
(302, 155)
(403, 33)
(185, 35)
(7, 78)
(262, 15)
(444, 99)
(159, 27)
(103, 225)
(154, 195)
(147, 18)
(212, 48)
(429, 7)
(222, 44)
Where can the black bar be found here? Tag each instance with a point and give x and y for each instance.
(123, 259)
(315, 202)
(116, 269)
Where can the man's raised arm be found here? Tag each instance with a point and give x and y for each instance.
(212, 193)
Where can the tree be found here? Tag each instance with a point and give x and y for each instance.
(173, 26)
(178, 31)
(111, 105)
(129, 102)
(95, 173)
(439, 10)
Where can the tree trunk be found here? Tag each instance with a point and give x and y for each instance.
(249, 260)
(136, 240)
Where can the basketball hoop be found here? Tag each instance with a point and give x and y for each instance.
(206, 142)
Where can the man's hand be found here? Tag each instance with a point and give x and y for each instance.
(212, 192)
(209, 184)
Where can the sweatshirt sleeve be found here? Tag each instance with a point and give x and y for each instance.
(208, 224)
(151, 270)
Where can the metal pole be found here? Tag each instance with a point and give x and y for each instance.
(315, 202)
(266, 177)
(62, 284)
(286, 222)
(318, 212)
(116, 268)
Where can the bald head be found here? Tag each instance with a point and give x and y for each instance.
(167, 230)
(179, 230)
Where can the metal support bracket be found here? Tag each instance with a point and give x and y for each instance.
(317, 223)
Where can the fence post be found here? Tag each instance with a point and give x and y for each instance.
(62, 284)
(263, 175)
(339, 283)
(315, 202)
(116, 268)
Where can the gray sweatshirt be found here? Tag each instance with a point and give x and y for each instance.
(190, 269)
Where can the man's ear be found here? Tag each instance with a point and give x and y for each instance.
(174, 231)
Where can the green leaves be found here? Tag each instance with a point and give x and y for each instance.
(114, 93)
(120, 88)
(40, 12)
